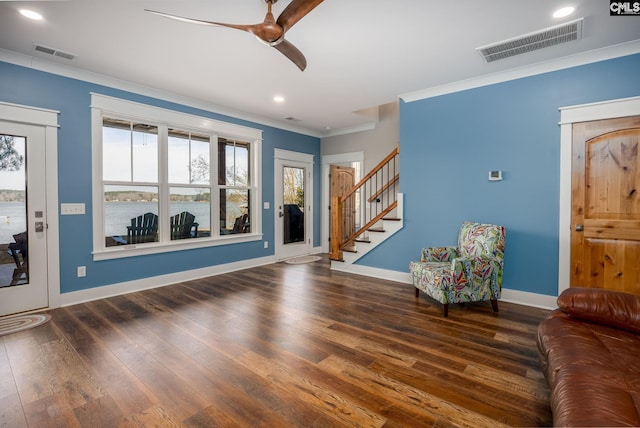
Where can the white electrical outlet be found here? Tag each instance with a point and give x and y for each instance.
(266, 244)
(82, 271)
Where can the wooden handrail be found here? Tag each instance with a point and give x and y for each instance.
(339, 242)
(373, 172)
(370, 223)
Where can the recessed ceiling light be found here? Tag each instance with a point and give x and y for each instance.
(31, 14)
(565, 11)
(278, 99)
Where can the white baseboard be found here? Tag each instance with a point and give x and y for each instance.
(512, 296)
(75, 297)
(389, 275)
(529, 299)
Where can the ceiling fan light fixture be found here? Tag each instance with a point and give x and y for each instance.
(270, 44)
(270, 31)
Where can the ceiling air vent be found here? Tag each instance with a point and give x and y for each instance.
(567, 32)
(55, 52)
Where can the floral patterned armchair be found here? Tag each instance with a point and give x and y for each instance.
(470, 272)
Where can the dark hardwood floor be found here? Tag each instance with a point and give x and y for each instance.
(276, 346)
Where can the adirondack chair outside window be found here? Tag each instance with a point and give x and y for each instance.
(144, 228)
(183, 226)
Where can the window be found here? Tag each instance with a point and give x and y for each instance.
(153, 190)
(130, 180)
(235, 192)
(189, 184)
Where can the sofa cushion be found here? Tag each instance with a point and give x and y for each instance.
(594, 396)
(564, 341)
(620, 310)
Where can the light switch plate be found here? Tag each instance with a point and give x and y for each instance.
(72, 209)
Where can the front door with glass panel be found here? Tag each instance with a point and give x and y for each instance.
(292, 209)
(23, 222)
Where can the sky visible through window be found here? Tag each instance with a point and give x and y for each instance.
(126, 160)
(15, 180)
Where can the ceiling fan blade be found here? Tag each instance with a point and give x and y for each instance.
(293, 53)
(295, 11)
(248, 28)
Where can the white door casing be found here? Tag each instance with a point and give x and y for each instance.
(286, 158)
(39, 126)
(345, 159)
(568, 116)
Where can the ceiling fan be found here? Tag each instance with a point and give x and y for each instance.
(270, 31)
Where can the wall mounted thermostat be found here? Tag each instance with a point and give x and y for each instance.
(495, 175)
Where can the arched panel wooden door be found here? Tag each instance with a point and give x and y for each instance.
(342, 180)
(605, 209)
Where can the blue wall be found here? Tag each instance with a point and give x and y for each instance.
(448, 144)
(71, 97)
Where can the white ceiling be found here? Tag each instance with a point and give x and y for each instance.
(360, 53)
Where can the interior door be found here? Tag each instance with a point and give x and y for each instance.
(343, 180)
(293, 208)
(605, 209)
(23, 219)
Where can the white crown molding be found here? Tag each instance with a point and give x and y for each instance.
(100, 79)
(583, 58)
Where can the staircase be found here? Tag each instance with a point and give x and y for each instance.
(367, 214)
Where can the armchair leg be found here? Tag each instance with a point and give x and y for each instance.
(445, 310)
(494, 305)
(417, 292)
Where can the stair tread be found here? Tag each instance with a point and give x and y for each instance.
(366, 241)
(391, 218)
(376, 229)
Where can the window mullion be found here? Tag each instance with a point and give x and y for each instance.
(163, 178)
(131, 130)
(213, 186)
(190, 161)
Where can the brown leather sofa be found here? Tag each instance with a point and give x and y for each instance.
(590, 353)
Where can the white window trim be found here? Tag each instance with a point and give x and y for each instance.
(102, 105)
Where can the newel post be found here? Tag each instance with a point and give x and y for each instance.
(336, 228)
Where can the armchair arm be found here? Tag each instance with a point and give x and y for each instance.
(439, 254)
(613, 308)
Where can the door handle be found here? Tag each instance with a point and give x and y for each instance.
(280, 214)
(579, 228)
